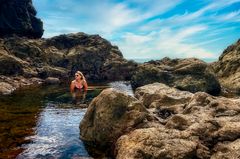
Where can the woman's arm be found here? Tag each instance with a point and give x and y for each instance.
(85, 85)
(72, 87)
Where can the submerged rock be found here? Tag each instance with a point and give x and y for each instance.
(6, 88)
(10, 84)
(185, 74)
(52, 80)
(175, 124)
(18, 17)
(227, 68)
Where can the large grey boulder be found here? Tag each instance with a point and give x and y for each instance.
(110, 115)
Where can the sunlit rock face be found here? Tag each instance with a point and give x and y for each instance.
(19, 17)
(110, 115)
(175, 124)
(228, 67)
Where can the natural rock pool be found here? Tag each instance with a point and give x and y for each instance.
(44, 122)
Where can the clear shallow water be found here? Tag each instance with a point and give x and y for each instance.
(122, 86)
(44, 122)
(57, 134)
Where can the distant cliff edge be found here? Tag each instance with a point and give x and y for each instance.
(18, 17)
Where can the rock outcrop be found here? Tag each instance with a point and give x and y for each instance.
(9, 84)
(61, 56)
(18, 17)
(227, 68)
(110, 115)
(176, 124)
(93, 55)
(185, 74)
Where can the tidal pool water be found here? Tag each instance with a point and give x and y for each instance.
(44, 122)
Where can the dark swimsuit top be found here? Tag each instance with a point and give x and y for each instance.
(77, 87)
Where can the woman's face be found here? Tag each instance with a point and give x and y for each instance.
(78, 76)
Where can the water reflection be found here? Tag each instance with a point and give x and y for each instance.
(44, 122)
(18, 119)
(57, 130)
(57, 134)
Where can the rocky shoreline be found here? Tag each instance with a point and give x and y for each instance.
(163, 122)
(54, 60)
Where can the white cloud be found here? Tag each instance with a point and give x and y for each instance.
(166, 42)
(232, 17)
(195, 17)
(102, 17)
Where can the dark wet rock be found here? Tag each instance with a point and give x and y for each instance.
(227, 68)
(19, 18)
(185, 74)
(10, 65)
(110, 115)
(52, 80)
(91, 54)
(82, 105)
(48, 71)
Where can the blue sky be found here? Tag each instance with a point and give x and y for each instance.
(148, 29)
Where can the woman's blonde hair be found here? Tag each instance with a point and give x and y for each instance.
(81, 74)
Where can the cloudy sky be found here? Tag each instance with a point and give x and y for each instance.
(149, 29)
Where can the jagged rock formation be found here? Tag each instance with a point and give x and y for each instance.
(176, 124)
(227, 68)
(185, 74)
(19, 17)
(61, 57)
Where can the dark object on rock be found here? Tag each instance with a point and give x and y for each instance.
(164, 113)
(227, 68)
(185, 74)
(18, 17)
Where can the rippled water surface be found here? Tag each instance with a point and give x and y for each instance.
(44, 122)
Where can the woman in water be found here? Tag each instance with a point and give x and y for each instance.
(78, 86)
(79, 83)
